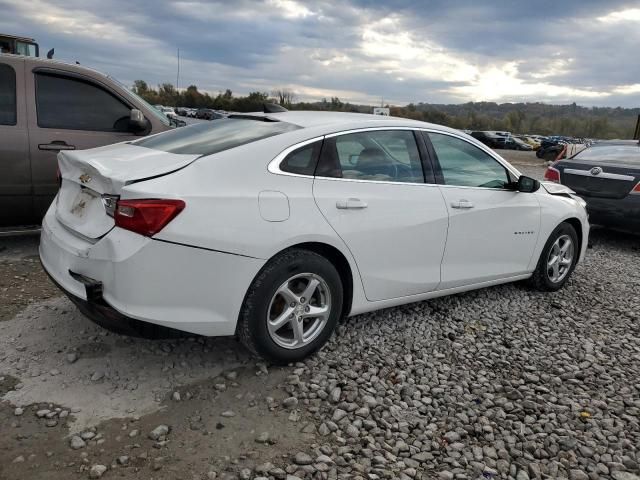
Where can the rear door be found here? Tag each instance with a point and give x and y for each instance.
(68, 111)
(16, 206)
(492, 229)
(371, 189)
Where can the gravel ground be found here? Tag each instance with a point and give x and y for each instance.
(502, 383)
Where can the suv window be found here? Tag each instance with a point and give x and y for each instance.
(8, 114)
(381, 155)
(302, 160)
(213, 137)
(69, 103)
(465, 165)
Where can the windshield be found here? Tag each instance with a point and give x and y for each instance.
(213, 137)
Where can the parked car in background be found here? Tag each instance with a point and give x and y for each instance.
(534, 144)
(515, 143)
(607, 177)
(550, 149)
(203, 113)
(46, 107)
(261, 226)
(208, 114)
(490, 139)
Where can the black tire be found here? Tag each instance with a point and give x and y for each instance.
(541, 279)
(252, 327)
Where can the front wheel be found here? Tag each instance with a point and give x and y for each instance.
(557, 260)
(292, 307)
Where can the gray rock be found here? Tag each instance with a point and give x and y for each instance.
(77, 442)
(159, 432)
(97, 471)
(302, 458)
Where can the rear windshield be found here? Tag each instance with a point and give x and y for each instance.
(611, 153)
(215, 136)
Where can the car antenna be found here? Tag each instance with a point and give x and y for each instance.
(273, 108)
(50, 53)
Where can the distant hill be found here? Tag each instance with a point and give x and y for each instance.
(533, 118)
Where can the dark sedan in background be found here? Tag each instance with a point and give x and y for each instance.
(607, 177)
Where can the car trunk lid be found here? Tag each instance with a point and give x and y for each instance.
(92, 180)
(598, 179)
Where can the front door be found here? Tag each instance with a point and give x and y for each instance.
(492, 228)
(371, 188)
(68, 112)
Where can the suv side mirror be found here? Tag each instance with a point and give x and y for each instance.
(137, 122)
(527, 184)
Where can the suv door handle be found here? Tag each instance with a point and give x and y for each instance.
(56, 145)
(351, 204)
(463, 204)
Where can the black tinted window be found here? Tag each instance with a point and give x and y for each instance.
(72, 104)
(303, 160)
(7, 95)
(213, 137)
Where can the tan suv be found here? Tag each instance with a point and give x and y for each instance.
(47, 106)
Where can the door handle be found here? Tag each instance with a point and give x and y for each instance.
(351, 204)
(462, 204)
(56, 145)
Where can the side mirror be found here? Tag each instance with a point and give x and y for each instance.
(137, 122)
(527, 184)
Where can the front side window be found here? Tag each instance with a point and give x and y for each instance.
(8, 114)
(73, 104)
(380, 155)
(465, 165)
(213, 137)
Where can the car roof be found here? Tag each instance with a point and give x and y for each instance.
(311, 119)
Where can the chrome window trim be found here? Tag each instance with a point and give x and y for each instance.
(274, 165)
(609, 176)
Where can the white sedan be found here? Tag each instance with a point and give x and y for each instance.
(273, 226)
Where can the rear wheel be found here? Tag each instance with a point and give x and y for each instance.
(292, 307)
(557, 260)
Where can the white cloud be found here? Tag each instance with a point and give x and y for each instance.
(629, 15)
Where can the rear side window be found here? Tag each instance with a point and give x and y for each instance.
(303, 160)
(388, 156)
(73, 104)
(7, 95)
(215, 136)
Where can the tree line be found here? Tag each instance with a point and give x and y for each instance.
(534, 118)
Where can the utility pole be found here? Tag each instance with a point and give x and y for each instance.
(178, 74)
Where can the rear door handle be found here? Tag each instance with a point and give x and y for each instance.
(462, 204)
(351, 204)
(56, 145)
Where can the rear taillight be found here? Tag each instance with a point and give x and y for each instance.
(636, 189)
(148, 216)
(552, 175)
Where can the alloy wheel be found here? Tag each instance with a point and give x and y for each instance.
(299, 310)
(560, 258)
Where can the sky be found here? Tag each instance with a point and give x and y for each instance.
(362, 51)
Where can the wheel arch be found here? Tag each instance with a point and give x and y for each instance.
(577, 226)
(339, 261)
